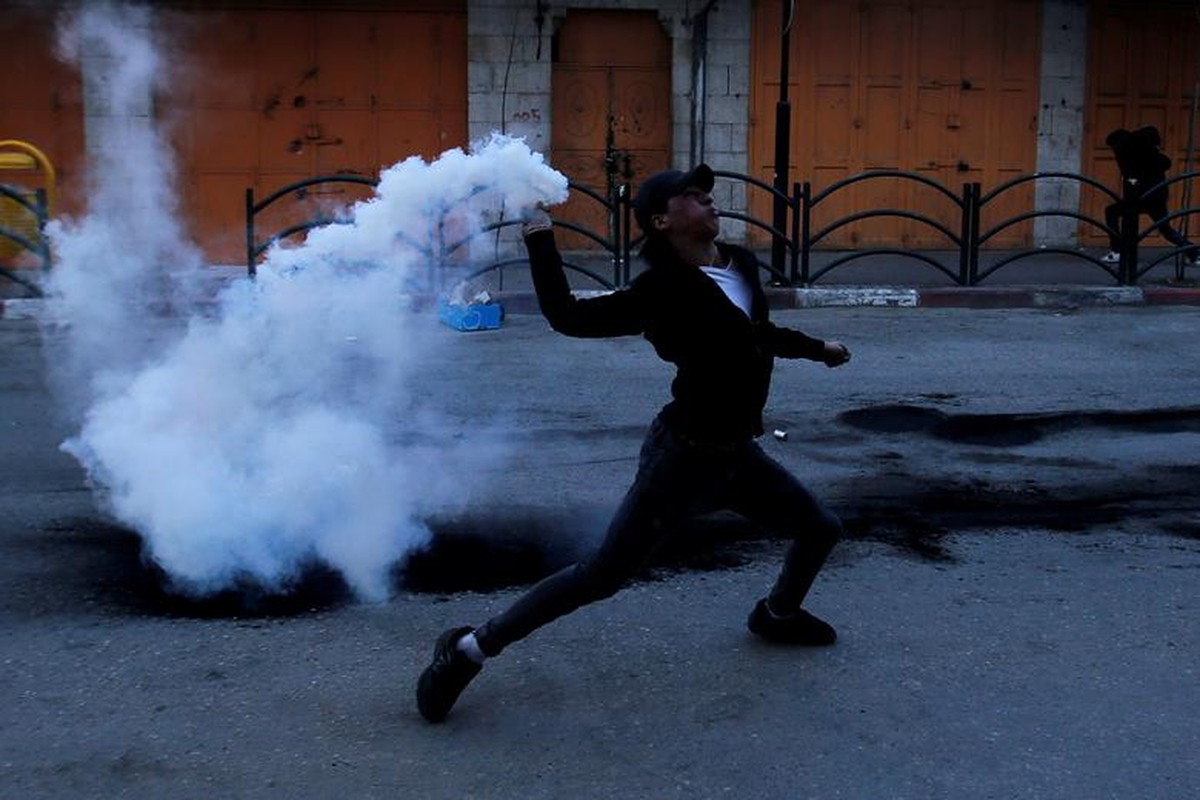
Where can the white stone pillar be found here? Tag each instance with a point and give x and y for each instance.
(1060, 119)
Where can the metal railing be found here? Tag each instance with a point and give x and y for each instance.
(615, 241)
(793, 246)
(980, 238)
(786, 252)
(255, 249)
(1131, 236)
(809, 239)
(33, 206)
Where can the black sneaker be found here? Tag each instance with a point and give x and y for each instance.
(800, 627)
(446, 676)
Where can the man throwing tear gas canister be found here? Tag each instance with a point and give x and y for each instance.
(701, 305)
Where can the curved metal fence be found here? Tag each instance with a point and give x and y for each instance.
(1133, 236)
(785, 265)
(959, 238)
(982, 237)
(957, 257)
(440, 253)
(255, 249)
(22, 229)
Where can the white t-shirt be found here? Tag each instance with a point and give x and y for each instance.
(733, 285)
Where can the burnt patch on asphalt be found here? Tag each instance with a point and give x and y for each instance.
(487, 552)
(1014, 430)
(916, 516)
(314, 587)
(102, 564)
(105, 564)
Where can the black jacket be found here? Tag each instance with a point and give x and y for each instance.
(723, 359)
(1139, 159)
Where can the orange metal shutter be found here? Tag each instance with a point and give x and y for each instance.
(945, 90)
(1143, 69)
(276, 95)
(611, 87)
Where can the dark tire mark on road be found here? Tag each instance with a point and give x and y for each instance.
(1014, 430)
(488, 552)
(98, 562)
(104, 564)
(915, 515)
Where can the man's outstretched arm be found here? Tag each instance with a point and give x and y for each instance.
(614, 314)
(789, 343)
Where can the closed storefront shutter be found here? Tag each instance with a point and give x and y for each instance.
(611, 87)
(270, 96)
(946, 90)
(1143, 70)
(41, 100)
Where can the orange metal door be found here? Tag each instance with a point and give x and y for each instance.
(40, 100)
(282, 95)
(611, 106)
(1143, 70)
(421, 94)
(947, 90)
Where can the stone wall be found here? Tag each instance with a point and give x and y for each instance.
(1060, 121)
(508, 75)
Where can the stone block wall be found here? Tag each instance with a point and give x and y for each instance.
(1060, 119)
(509, 69)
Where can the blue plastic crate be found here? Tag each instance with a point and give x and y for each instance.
(471, 316)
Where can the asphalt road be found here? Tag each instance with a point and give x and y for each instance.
(1016, 598)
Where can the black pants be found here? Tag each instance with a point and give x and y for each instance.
(1153, 207)
(676, 481)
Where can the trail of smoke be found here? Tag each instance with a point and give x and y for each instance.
(127, 258)
(263, 437)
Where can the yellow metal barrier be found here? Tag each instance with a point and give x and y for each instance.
(25, 168)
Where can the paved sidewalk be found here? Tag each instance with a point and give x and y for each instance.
(1053, 280)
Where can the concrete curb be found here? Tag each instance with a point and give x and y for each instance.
(1171, 296)
(1061, 297)
(1050, 297)
(21, 307)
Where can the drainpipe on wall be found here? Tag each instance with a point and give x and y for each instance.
(699, 84)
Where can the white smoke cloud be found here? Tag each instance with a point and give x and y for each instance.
(127, 257)
(247, 442)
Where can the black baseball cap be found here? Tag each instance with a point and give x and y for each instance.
(655, 191)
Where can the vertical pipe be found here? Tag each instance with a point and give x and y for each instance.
(783, 125)
(626, 228)
(43, 212)
(1130, 194)
(250, 266)
(967, 236)
(618, 261)
(794, 256)
(976, 211)
(699, 83)
(805, 231)
(1186, 200)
